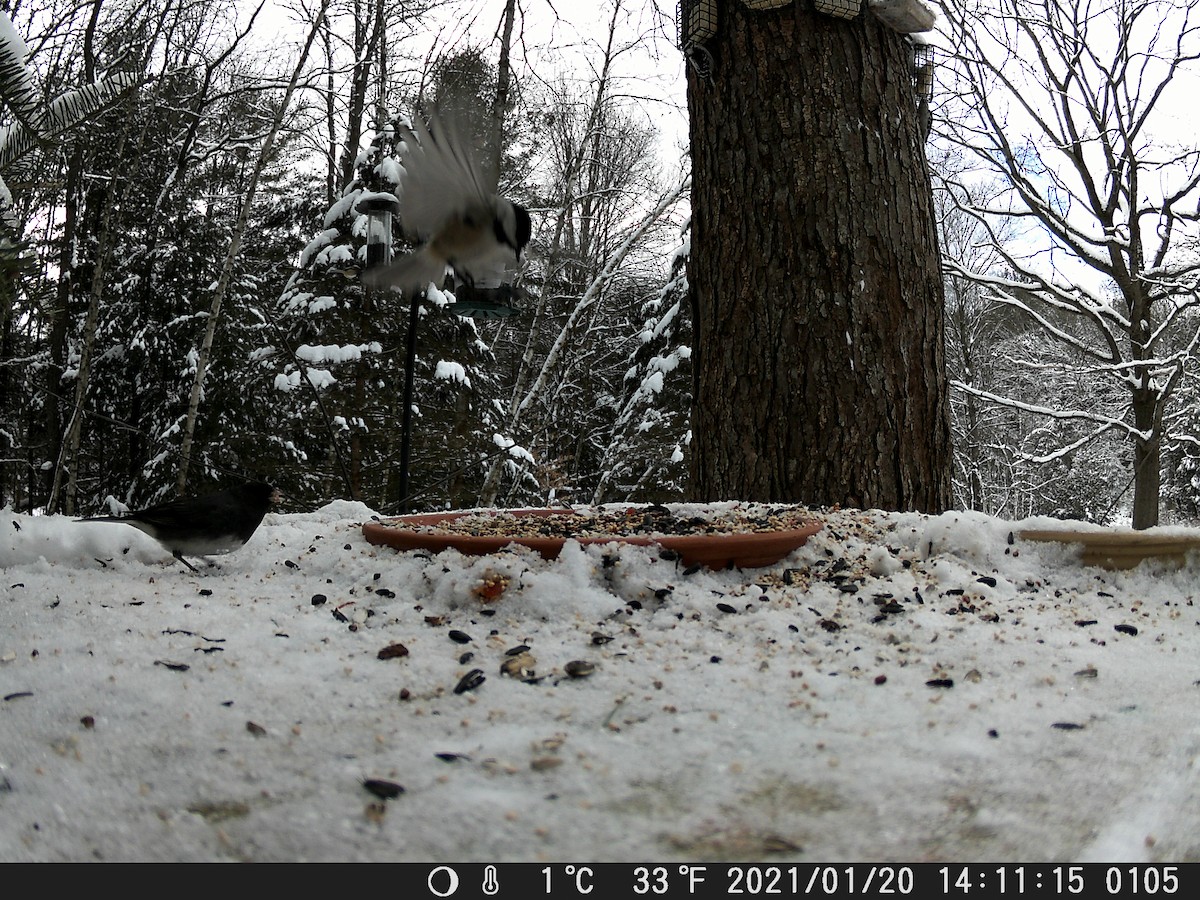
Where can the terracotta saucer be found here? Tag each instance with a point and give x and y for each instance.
(745, 550)
(1122, 549)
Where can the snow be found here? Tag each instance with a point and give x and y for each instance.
(515, 450)
(318, 378)
(334, 256)
(341, 208)
(799, 726)
(448, 370)
(320, 242)
(335, 353)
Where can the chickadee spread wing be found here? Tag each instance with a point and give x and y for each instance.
(442, 181)
(448, 201)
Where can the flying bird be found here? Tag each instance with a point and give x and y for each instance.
(449, 205)
(203, 526)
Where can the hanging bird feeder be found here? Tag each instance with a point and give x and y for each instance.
(484, 302)
(839, 9)
(378, 207)
(922, 67)
(697, 21)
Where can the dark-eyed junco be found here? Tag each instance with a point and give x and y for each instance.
(202, 526)
(448, 201)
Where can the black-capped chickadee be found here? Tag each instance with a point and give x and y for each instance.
(450, 205)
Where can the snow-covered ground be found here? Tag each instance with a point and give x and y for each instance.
(903, 687)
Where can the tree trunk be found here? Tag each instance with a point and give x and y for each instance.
(367, 34)
(814, 271)
(1147, 458)
(59, 320)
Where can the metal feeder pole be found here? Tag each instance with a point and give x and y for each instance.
(379, 209)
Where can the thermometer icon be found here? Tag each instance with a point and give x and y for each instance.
(491, 884)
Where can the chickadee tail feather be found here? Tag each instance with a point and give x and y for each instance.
(410, 273)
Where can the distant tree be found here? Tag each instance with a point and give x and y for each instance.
(1070, 105)
(32, 118)
(646, 457)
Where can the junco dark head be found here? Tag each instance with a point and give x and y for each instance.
(202, 526)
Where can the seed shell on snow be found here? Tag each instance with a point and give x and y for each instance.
(470, 681)
(579, 668)
(517, 666)
(383, 789)
(392, 651)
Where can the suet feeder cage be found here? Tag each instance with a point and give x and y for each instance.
(922, 69)
(379, 209)
(841, 9)
(766, 4)
(697, 20)
(904, 16)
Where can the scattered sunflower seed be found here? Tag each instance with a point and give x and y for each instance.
(579, 668)
(517, 666)
(384, 790)
(470, 681)
(459, 637)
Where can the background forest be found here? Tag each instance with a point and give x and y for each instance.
(179, 293)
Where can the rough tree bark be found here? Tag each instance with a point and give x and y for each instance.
(814, 271)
